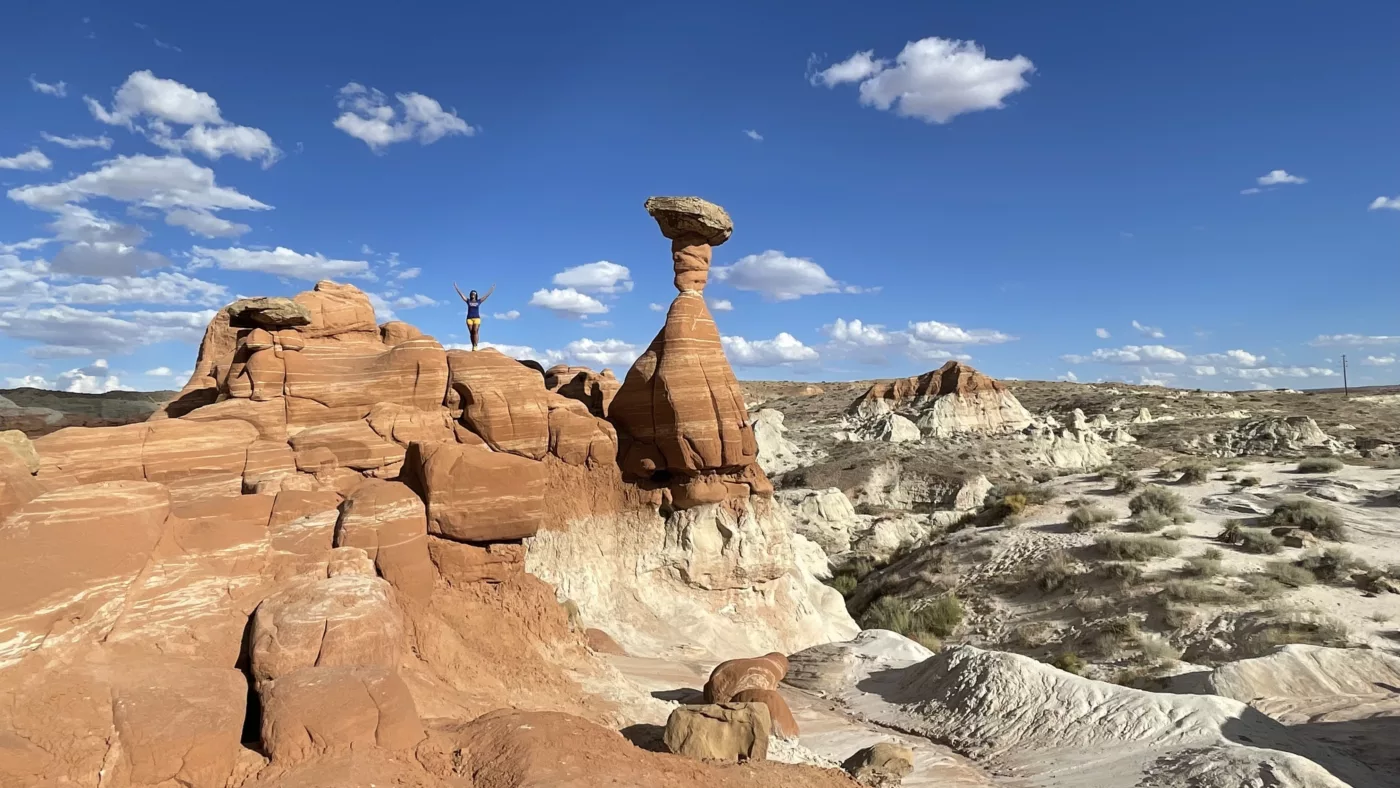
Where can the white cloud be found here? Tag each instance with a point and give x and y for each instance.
(1150, 379)
(24, 246)
(67, 330)
(163, 183)
(163, 45)
(1269, 373)
(599, 277)
(77, 142)
(1241, 358)
(281, 262)
(938, 333)
(1203, 371)
(205, 223)
(511, 315)
(413, 301)
(514, 351)
(722, 305)
(159, 372)
(148, 104)
(1130, 354)
(105, 258)
(598, 324)
(933, 79)
(1379, 361)
(32, 159)
(368, 117)
(59, 89)
(567, 301)
(408, 273)
(656, 307)
(1251, 190)
(1102, 333)
(93, 379)
(780, 350)
(753, 135)
(1148, 331)
(1068, 377)
(1277, 177)
(1387, 203)
(1356, 340)
(776, 276)
(607, 353)
(855, 332)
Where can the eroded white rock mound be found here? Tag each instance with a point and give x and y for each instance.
(776, 454)
(952, 399)
(1272, 436)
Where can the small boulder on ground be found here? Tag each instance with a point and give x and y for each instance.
(784, 724)
(882, 765)
(729, 732)
(736, 675)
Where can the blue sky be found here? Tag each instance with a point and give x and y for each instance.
(1200, 194)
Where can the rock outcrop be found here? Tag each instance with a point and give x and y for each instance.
(724, 732)
(776, 454)
(1272, 436)
(952, 399)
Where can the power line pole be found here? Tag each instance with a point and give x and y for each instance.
(1346, 390)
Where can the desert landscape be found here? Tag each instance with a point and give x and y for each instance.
(342, 555)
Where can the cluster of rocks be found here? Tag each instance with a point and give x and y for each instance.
(1272, 436)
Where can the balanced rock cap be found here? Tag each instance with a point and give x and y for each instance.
(273, 312)
(681, 216)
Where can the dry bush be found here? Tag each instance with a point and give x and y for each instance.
(1321, 520)
(1250, 481)
(1053, 573)
(1198, 592)
(1333, 565)
(1250, 540)
(1126, 482)
(1148, 522)
(1174, 534)
(1135, 548)
(1157, 649)
(1320, 465)
(1290, 574)
(1308, 628)
(1160, 500)
(1195, 473)
(1069, 662)
(1086, 517)
(1206, 564)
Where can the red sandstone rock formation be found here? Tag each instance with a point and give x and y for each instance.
(680, 412)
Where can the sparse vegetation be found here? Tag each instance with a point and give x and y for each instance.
(1250, 481)
(1290, 575)
(1174, 534)
(940, 617)
(1250, 540)
(1199, 592)
(1149, 522)
(1309, 628)
(1318, 518)
(1125, 482)
(1136, 548)
(1320, 465)
(1195, 473)
(1160, 500)
(1206, 564)
(1157, 649)
(1263, 587)
(1228, 477)
(1333, 565)
(1086, 517)
(1069, 662)
(849, 576)
(1054, 572)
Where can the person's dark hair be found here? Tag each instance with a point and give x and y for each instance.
(472, 294)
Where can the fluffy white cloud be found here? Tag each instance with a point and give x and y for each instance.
(32, 159)
(1270, 373)
(656, 307)
(1102, 333)
(205, 223)
(511, 315)
(413, 301)
(93, 379)
(753, 135)
(933, 79)
(59, 89)
(855, 332)
(598, 354)
(1355, 340)
(24, 246)
(149, 104)
(937, 333)
(776, 276)
(77, 142)
(408, 273)
(163, 183)
(1148, 331)
(1379, 361)
(368, 117)
(1204, 371)
(105, 258)
(927, 340)
(160, 372)
(567, 301)
(67, 330)
(780, 350)
(281, 262)
(1153, 379)
(722, 305)
(1241, 358)
(1068, 377)
(599, 277)
(1130, 354)
(1277, 177)
(1387, 203)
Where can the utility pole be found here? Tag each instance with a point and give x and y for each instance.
(1346, 390)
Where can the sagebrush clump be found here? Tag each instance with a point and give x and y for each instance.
(1320, 465)
(1160, 500)
(1086, 517)
(1136, 548)
(1318, 518)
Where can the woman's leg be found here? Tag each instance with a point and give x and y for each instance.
(475, 329)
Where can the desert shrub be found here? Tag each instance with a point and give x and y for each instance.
(1136, 548)
(887, 612)
(1320, 465)
(1308, 628)
(1054, 572)
(1289, 574)
(1264, 587)
(1125, 482)
(1174, 534)
(1069, 662)
(1032, 635)
(941, 616)
(1178, 616)
(1198, 592)
(928, 640)
(843, 583)
(1086, 517)
(1118, 573)
(1203, 565)
(1231, 533)
(1156, 648)
(1032, 494)
(1120, 627)
(1250, 540)
(1250, 481)
(1195, 473)
(1333, 565)
(1321, 520)
(1149, 522)
(1159, 500)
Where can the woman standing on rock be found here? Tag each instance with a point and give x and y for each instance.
(474, 310)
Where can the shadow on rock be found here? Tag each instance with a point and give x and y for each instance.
(646, 737)
(680, 695)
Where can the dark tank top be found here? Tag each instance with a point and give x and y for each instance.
(473, 309)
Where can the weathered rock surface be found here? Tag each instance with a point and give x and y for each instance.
(268, 313)
(726, 732)
(885, 427)
(464, 564)
(502, 401)
(776, 454)
(736, 675)
(952, 399)
(824, 516)
(18, 444)
(784, 724)
(319, 710)
(388, 521)
(1272, 436)
(345, 620)
(477, 495)
(882, 765)
(594, 389)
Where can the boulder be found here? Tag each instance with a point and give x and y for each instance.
(340, 312)
(333, 381)
(784, 724)
(972, 494)
(17, 485)
(577, 436)
(502, 401)
(348, 620)
(883, 765)
(351, 444)
(736, 675)
(177, 724)
(463, 564)
(403, 424)
(316, 711)
(18, 443)
(594, 389)
(824, 516)
(265, 313)
(477, 495)
(729, 732)
(396, 332)
(388, 521)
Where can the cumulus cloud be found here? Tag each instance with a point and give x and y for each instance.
(928, 340)
(1354, 340)
(59, 89)
(76, 142)
(32, 159)
(933, 79)
(205, 223)
(1241, 358)
(165, 183)
(149, 105)
(281, 262)
(1130, 354)
(604, 353)
(600, 277)
(722, 305)
(568, 302)
(1270, 373)
(368, 117)
(1148, 331)
(856, 332)
(1385, 203)
(1278, 177)
(105, 258)
(160, 372)
(938, 333)
(66, 330)
(776, 276)
(1379, 361)
(753, 135)
(408, 273)
(656, 307)
(1102, 333)
(511, 315)
(782, 349)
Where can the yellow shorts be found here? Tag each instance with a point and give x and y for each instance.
(473, 322)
